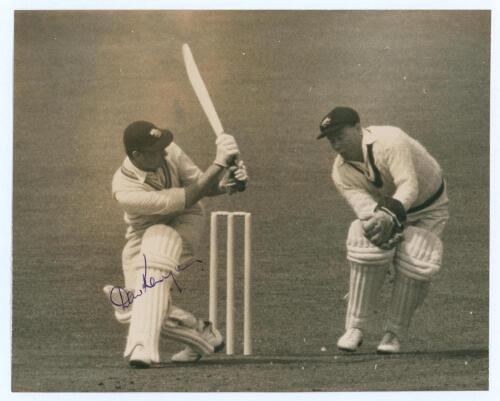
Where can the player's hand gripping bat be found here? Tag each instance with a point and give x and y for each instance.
(208, 107)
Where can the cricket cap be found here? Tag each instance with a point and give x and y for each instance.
(337, 119)
(145, 136)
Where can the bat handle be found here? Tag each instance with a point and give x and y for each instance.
(239, 186)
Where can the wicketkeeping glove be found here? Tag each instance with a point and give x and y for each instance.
(379, 228)
(384, 229)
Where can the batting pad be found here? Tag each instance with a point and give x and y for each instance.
(162, 247)
(147, 315)
(123, 315)
(407, 295)
(419, 255)
(174, 330)
(369, 266)
(185, 318)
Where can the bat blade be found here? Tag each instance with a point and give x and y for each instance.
(207, 105)
(200, 90)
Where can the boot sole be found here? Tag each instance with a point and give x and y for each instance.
(138, 364)
(386, 352)
(219, 347)
(188, 361)
(350, 350)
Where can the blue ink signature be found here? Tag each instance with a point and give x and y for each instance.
(128, 297)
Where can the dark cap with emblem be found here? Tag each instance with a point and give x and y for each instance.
(145, 136)
(337, 119)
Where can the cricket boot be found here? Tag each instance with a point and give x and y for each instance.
(187, 355)
(351, 340)
(390, 344)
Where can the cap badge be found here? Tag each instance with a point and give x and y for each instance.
(326, 122)
(155, 132)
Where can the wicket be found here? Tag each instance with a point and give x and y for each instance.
(247, 314)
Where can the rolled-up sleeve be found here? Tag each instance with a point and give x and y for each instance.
(166, 201)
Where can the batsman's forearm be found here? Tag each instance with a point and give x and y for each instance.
(216, 190)
(204, 185)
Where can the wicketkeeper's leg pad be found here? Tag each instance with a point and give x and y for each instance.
(417, 261)
(360, 250)
(369, 266)
(407, 295)
(162, 247)
(419, 255)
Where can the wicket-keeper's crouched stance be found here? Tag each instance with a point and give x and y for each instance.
(159, 189)
(397, 192)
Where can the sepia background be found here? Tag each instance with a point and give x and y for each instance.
(81, 77)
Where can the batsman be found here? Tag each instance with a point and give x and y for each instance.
(398, 195)
(160, 190)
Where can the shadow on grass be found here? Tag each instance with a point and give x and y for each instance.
(323, 358)
(448, 354)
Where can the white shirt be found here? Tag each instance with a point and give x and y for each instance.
(143, 201)
(395, 165)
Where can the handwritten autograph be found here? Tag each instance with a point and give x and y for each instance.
(127, 297)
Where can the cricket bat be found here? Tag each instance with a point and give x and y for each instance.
(203, 96)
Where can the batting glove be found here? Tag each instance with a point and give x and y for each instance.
(227, 150)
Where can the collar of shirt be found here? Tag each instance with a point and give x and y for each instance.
(140, 174)
(367, 139)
